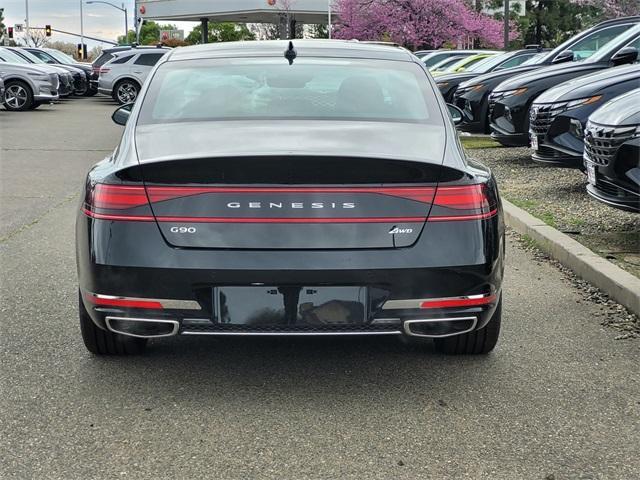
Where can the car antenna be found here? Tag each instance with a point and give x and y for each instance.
(290, 53)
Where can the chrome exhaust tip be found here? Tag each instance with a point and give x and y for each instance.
(439, 327)
(142, 327)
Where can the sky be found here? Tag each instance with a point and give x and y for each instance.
(101, 21)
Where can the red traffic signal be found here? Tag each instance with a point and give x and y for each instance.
(47, 30)
(10, 30)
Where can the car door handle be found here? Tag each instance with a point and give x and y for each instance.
(136, 71)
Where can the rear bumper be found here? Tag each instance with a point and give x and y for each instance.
(454, 260)
(104, 91)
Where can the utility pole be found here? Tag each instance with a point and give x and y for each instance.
(329, 17)
(81, 32)
(506, 24)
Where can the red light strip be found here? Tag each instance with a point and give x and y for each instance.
(457, 302)
(478, 216)
(420, 194)
(104, 301)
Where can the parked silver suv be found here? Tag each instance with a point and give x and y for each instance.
(123, 75)
(27, 86)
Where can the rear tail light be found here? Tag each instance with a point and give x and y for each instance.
(117, 202)
(103, 70)
(467, 202)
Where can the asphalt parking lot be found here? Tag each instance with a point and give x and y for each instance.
(559, 398)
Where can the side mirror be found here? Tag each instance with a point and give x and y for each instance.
(455, 113)
(625, 55)
(122, 114)
(564, 56)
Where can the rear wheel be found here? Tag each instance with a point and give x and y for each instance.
(102, 342)
(473, 343)
(126, 91)
(17, 96)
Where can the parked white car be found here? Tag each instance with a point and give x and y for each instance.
(123, 75)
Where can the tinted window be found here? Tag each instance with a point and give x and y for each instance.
(42, 56)
(515, 61)
(123, 59)
(592, 43)
(270, 89)
(149, 59)
(433, 58)
(102, 59)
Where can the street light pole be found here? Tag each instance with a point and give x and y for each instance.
(126, 23)
(122, 9)
(81, 33)
(26, 19)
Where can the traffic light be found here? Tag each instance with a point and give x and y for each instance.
(47, 30)
(10, 30)
(81, 51)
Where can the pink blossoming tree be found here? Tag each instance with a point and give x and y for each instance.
(417, 23)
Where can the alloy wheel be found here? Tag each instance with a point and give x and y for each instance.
(16, 97)
(127, 92)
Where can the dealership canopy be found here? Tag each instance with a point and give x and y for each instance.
(242, 11)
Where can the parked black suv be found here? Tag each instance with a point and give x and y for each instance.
(449, 83)
(473, 96)
(612, 152)
(558, 117)
(509, 103)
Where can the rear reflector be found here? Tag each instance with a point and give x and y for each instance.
(474, 301)
(109, 301)
(434, 303)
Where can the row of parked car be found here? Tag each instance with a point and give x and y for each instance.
(30, 77)
(577, 106)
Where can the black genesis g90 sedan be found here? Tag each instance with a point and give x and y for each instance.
(612, 152)
(274, 188)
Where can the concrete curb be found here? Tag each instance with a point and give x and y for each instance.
(611, 279)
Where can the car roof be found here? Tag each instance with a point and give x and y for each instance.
(134, 51)
(303, 47)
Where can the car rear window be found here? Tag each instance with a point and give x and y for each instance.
(122, 59)
(318, 89)
(148, 59)
(102, 59)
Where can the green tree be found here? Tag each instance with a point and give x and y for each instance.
(221, 32)
(149, 34)
(318, 30)
(548, 22)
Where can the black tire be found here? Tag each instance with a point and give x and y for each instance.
(90, 93)
(18, 96)
(478, 342)
(102, 342)
(125, 91)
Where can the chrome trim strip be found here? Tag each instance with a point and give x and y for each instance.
(168, 303)
(291, 334)
(416, 302)
(408, 323)
(176, 326)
